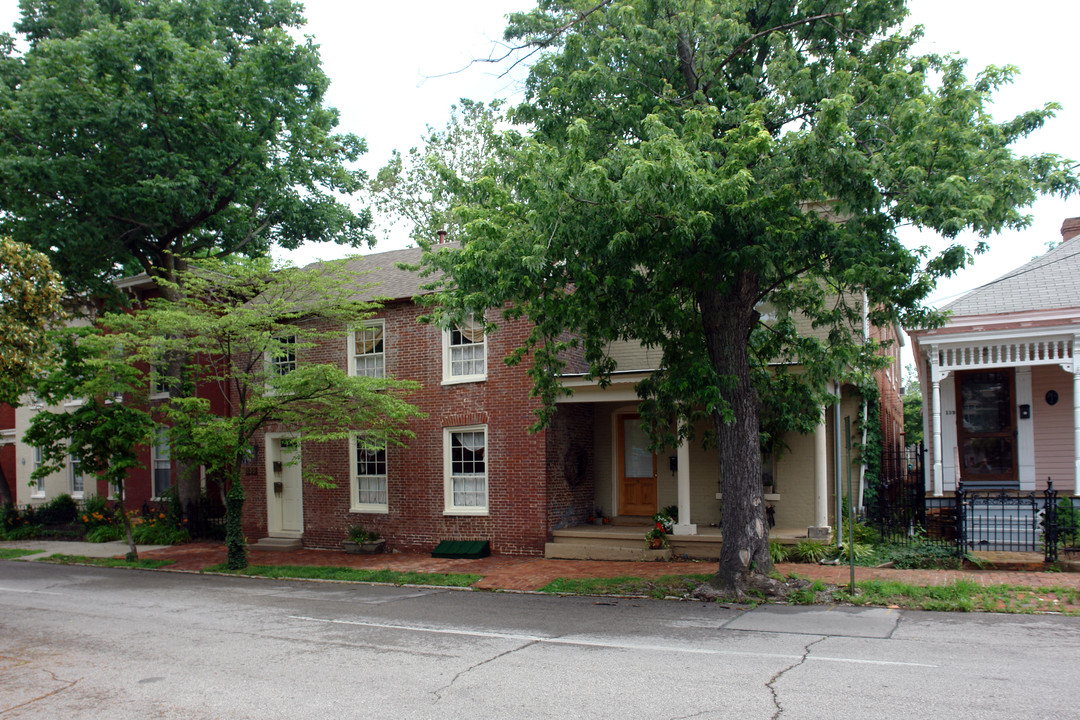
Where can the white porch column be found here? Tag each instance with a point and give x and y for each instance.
(1076, 420)
(684, 526)
(935, 423)
(821, 527)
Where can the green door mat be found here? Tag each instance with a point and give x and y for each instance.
(462, 549)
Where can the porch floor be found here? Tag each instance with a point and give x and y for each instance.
(623, 538)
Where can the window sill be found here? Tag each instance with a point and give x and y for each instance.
(464, 379)
(160, 396)
(465, 512)
(370, 509)
(38, 496)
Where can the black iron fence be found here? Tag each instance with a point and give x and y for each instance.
(970, 520)
(201, 520)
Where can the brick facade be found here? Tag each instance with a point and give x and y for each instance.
(416, 518)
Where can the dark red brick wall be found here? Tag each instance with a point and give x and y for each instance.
(516, 463)
(570, 466)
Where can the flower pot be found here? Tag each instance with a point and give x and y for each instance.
(655, 543)
(372, 547)
(350, 546)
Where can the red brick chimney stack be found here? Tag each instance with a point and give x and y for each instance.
(1070, 228)
(442, 233)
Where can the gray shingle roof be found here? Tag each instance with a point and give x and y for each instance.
(378, 276)
(1049, 282)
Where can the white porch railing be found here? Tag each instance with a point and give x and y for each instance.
(1005, 354)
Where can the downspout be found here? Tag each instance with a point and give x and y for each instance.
(866, 339)
(837, 462)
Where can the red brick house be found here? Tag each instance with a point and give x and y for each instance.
(474, 470)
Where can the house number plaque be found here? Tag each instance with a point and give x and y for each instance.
(1051, 397)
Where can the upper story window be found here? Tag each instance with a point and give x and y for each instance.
(283, 357)
(464, 352)
(367, 350)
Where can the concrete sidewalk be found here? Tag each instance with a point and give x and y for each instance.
(530, 573)
(45, 548)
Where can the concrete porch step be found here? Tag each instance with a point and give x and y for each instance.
(584, 551)
(278, 544)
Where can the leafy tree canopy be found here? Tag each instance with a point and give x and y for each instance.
(710, 177)
(135, 134)
(244, 330)
(30, 294)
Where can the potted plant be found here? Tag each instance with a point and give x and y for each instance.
(665, 519)
(656, 537)
(363, 541)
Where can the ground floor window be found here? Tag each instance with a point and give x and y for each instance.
(369, 475)
(465, 464)
(162, 462)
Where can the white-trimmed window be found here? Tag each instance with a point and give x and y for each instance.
(283, 358)
(161, 461)
(39, 484)
(160, 384)
(465, 470)
(75, 475)
(368, 475)
(367, 350)
(464, 352)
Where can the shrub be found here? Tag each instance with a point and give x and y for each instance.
(862, 552)
(357, 533)
(104, 533)
(810, 551)
(779, 552)
(61, 510)
(18, 525)
(921, 555)
(159, 533)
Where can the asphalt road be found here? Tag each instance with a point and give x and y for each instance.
(79, 642)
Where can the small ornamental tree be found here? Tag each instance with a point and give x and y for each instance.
(30, 294)
(102, 433)
(231, 323)
(697, 175)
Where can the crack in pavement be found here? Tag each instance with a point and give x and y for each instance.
(772, 681)
(5, 711)
(438, 691)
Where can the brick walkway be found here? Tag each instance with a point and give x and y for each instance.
(513, 573)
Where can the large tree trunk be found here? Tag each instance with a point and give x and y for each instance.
(728, 319)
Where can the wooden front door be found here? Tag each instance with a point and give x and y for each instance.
(637, 468)
(986, 427)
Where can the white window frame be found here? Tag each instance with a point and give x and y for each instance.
(75, 471)
(379, 357)
(448, 474)
(449, 378)
(161, 440)
(39, 484)
(354, 481)
(287, 362)
(159, 391)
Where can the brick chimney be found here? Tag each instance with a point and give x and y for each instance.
(1070, 228)
(442, 233)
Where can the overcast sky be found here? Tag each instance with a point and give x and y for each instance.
(382, 59)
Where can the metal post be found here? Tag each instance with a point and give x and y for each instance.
(1050, 523)
(961, 532)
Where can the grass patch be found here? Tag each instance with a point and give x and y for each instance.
(11, 553)
(60, 559)
(330, 572)
(967, 596)
(664, 586)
